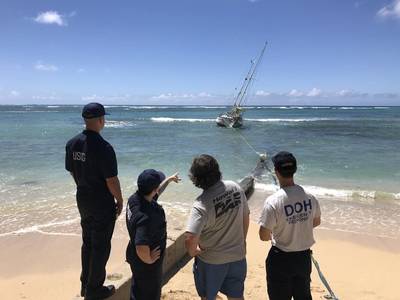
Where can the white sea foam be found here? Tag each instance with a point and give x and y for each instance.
(53, 106)
(39, 228)
(203, 106)
(292, 120)
(339, 194)
(212, 107)
(355, 108)
(168, 120)
(147, 107)
(31, 111)
(119, 124)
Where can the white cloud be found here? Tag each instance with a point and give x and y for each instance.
(295, 93)
(314, 93)
(263, 93)
(387, 95)
(43, 67)
(41, 97)
(204, 95)
(350, 93)
(93, 97)
(183, 96)
(14, 93)
(344, 93)
(390, 10)
(81, 70)
(51, 17)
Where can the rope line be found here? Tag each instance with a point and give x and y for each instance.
(258, 155)
(244, 139)
(331, 295)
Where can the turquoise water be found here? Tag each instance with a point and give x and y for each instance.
(348, 153)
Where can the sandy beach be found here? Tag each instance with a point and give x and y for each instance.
(37, 266)
(356, 267)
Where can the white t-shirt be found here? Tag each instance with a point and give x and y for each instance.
(289, 215)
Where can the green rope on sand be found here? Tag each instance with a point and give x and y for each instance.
(324, 281)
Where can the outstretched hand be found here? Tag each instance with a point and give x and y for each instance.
(175, 178)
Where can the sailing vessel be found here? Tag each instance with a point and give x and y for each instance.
(233, 118)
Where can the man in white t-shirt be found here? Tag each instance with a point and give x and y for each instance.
(288, 219)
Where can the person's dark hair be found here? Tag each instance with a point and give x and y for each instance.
(287, 173)
(204, 171)
(285, 163)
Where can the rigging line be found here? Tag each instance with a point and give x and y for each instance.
(253, 73)
(258, 154)
(248, 144)
(238, 96)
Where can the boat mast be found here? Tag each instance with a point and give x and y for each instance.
(252, 75)
(238, 96)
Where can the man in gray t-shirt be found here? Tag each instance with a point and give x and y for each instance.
(288, 219)
(216, 232)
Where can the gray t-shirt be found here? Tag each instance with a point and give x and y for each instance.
(217, 217)
(289, 214)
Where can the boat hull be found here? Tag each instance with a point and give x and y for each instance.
(229, 122)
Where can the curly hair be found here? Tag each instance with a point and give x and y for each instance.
(204, 171)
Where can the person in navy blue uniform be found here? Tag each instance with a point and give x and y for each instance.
(92, 163)
(147, 227)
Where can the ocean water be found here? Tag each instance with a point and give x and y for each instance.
(347, 156)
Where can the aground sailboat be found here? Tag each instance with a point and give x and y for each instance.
(233, 118)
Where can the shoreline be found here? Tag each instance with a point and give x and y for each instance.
(358, 265)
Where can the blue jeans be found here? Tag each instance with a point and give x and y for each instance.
(225, 278)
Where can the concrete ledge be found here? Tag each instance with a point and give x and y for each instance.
(175, 258)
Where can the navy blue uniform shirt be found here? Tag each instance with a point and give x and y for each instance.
(91, 160)
(146, 226)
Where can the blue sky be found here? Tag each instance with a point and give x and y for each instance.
(197, 52)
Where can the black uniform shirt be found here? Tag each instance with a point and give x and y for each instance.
(91, 160)
(146, 226)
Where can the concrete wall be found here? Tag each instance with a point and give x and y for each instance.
(175, 258)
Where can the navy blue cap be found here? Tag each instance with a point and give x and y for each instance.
(148, 180)
(93, 110)
(284, 161)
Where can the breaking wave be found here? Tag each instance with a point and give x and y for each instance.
(343, 195)
(292, 120)
(169, 120)
(119, 124)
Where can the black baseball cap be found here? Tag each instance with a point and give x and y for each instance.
(284, 161)
(93, 110)
(148, 180)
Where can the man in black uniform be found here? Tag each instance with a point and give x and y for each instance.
(147, 227)
(92, 163)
